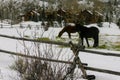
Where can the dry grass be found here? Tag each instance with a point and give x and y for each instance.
(34, 69)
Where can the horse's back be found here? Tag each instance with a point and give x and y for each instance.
(90, 32)
(70, 28)
(94, 29)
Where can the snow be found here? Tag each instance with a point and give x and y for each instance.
(98, 61)
(104, 0)
(85, 2)
(107, 28)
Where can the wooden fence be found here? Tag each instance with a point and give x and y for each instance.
(59, 61)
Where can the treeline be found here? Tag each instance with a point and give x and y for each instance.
(11, 9)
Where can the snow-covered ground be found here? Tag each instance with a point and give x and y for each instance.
(108, 33)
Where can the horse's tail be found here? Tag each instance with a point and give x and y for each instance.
(96, 37)
(96, 42)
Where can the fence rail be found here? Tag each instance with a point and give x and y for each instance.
(101, 53)
(64, 44)
(61, 43)
(36, 40)
(60, 61)
(103, 70)
(35, 57)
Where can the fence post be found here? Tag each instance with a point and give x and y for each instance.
(77, 61)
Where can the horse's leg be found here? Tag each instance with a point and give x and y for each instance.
(82, 40)
(81, 37)
(69, 35)
(87, 42)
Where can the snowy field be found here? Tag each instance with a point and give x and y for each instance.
(109, 35)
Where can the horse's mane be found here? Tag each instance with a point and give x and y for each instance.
(78, 25)
(81, 27)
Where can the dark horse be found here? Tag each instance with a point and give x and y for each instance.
(84, 32)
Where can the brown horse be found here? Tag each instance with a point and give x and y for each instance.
(69, 29)
(84, 32)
